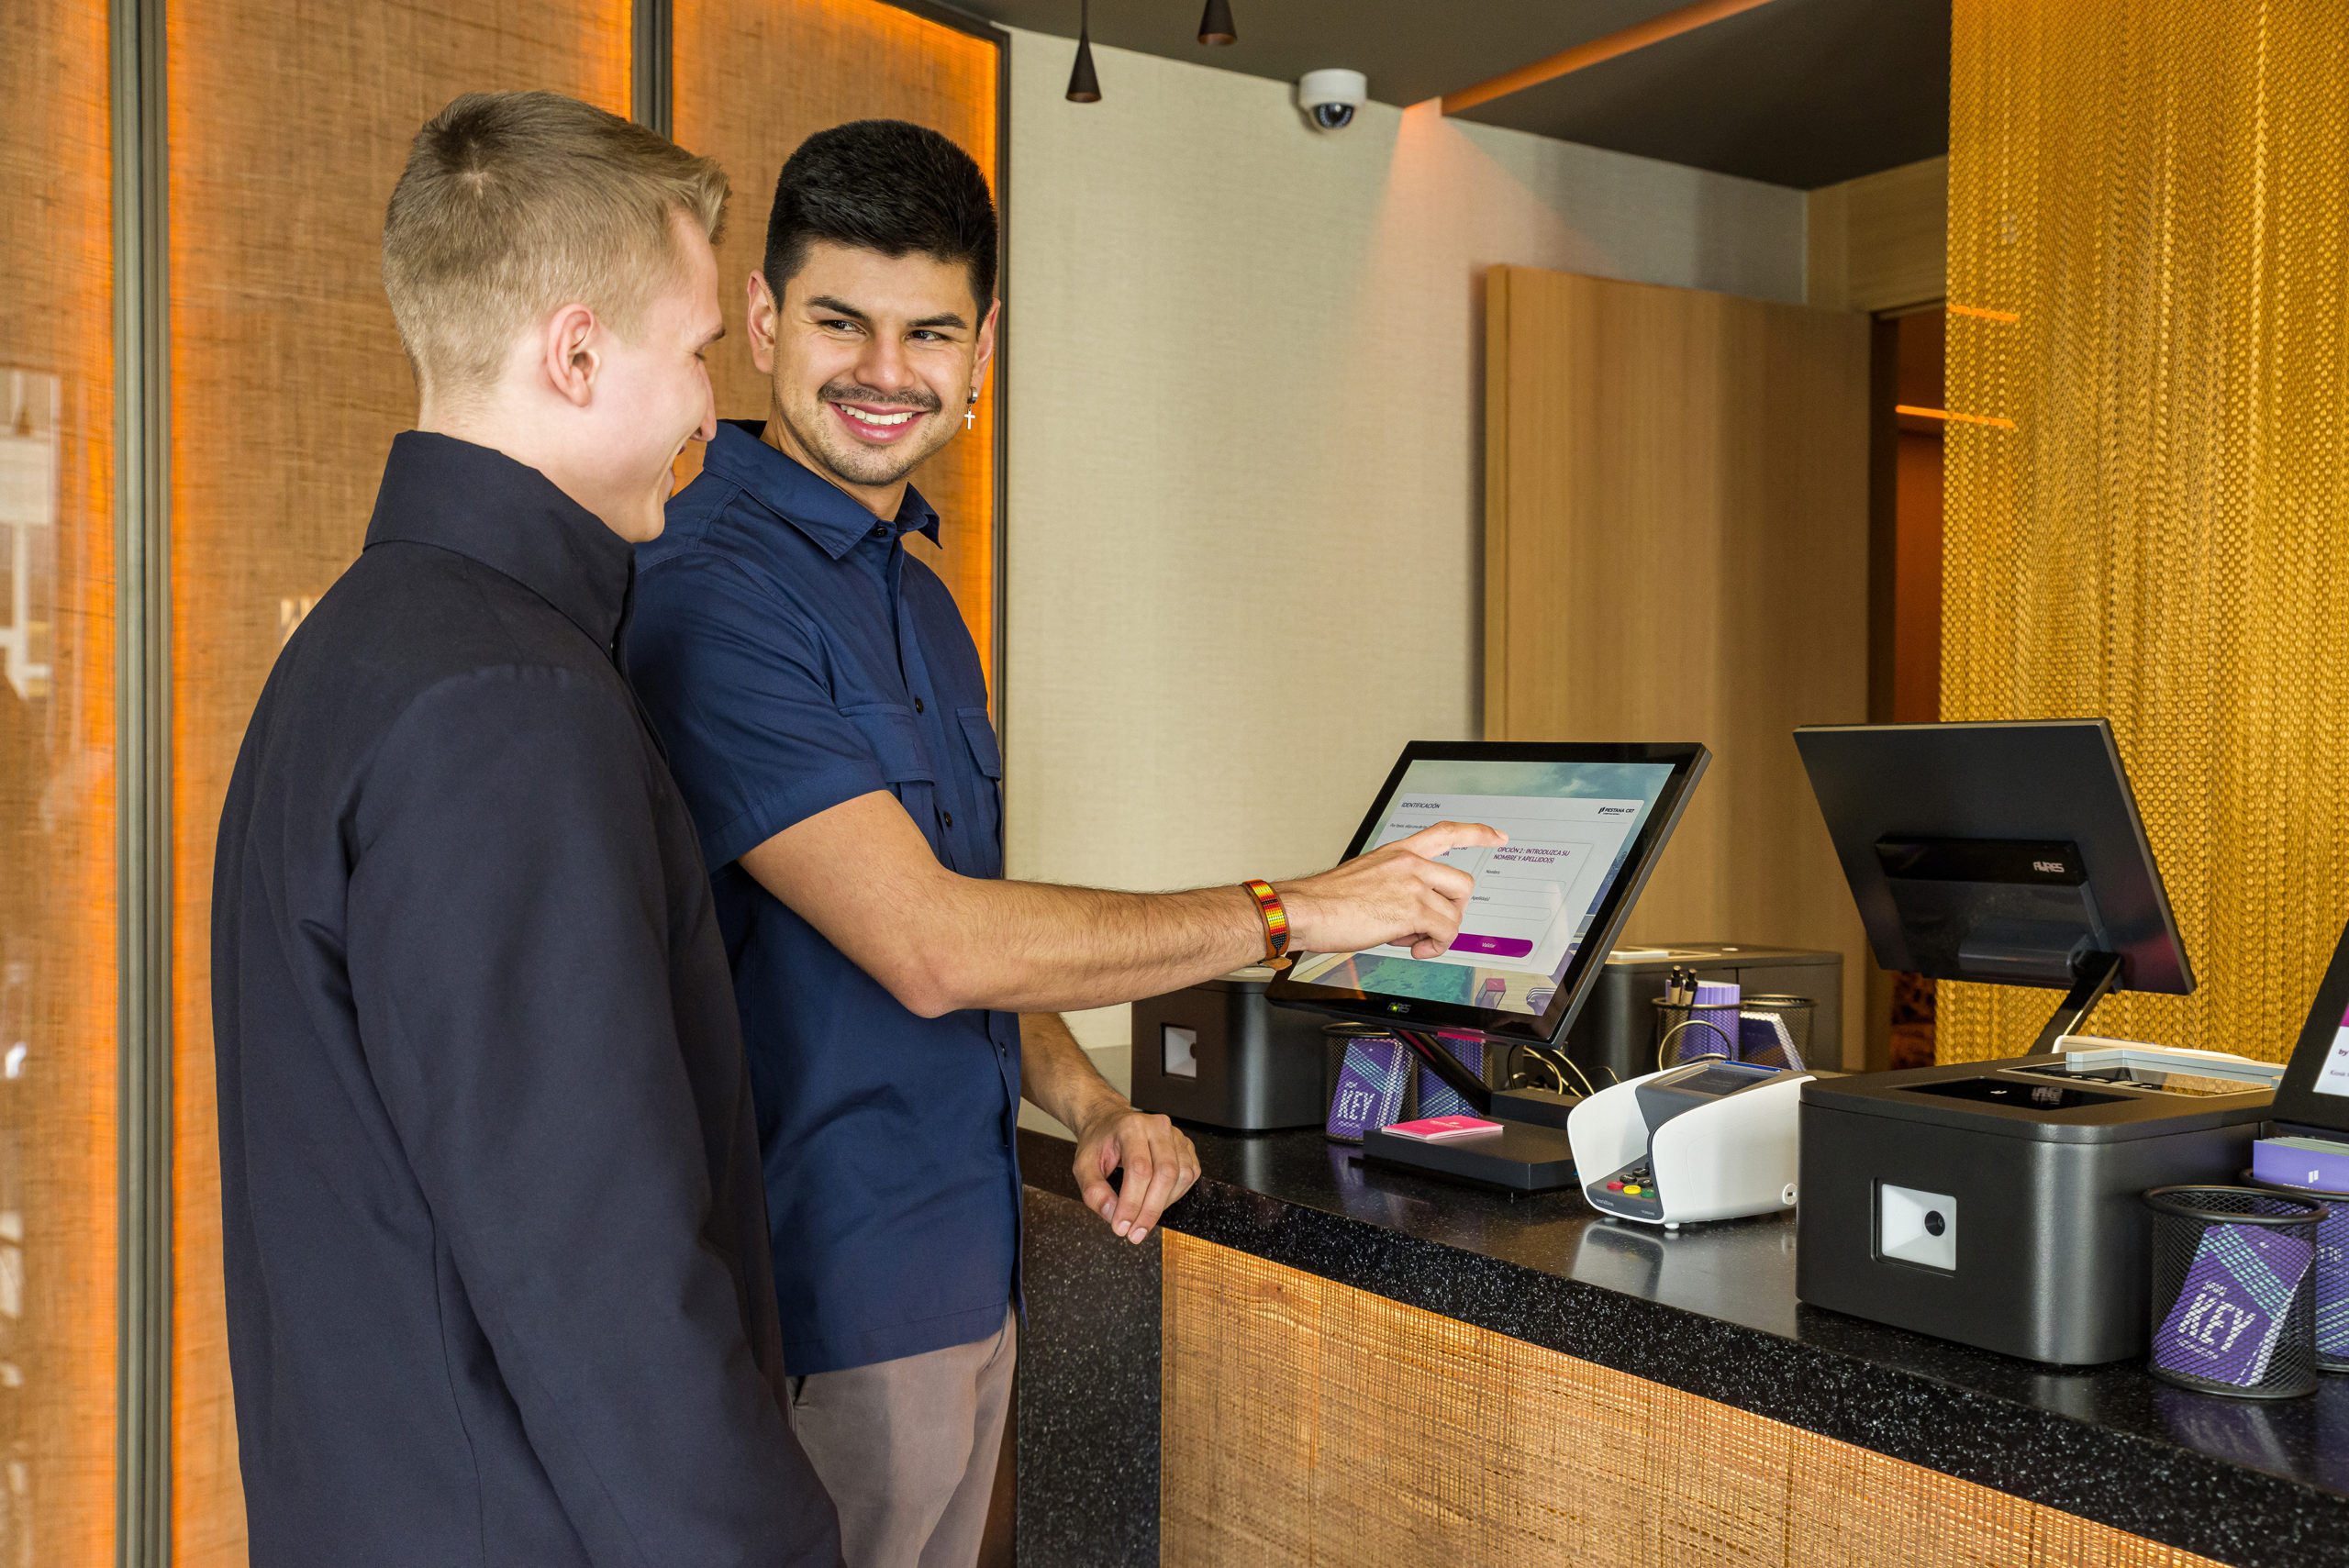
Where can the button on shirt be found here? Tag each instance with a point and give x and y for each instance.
(792, 657)
(491, 1207)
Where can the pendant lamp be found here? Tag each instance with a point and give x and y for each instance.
(1084, 86)
(1215, 23)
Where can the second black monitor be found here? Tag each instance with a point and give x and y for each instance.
(2009, 853)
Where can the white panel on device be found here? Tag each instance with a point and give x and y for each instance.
(1917, 1226)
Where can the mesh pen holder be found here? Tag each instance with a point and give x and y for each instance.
(1685, 1033)
(2331, 1271)
(1772, 1031)
(2233, 1306)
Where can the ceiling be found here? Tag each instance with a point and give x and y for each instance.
(1801, 93)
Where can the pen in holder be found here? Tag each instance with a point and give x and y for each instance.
(1705, 1025)
(2234, 1297)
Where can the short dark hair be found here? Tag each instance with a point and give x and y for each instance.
(884, 185)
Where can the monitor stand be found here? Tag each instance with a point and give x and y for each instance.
(1448, 1067)
(2094, 975)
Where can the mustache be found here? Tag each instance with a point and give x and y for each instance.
(919, 397)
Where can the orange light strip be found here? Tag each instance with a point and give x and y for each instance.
(1990, 419)
(2008, 316)
(1656, 29)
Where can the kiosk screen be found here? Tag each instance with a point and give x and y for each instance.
(2332, 1073)
(1571, 827)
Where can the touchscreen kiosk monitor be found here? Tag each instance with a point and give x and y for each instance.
(1585, 823)
(2315, 1090)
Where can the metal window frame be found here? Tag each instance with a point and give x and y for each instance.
(651, 74)
(142, 784)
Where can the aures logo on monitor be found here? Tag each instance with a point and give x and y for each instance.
(2054, 868)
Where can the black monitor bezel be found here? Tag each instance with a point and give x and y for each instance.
(2295, 1097)
(1687, 761)
(2155, 956)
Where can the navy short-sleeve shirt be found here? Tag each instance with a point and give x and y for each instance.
(791, 656)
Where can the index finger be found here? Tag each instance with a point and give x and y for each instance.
(1165, 1186)
(1445, 837)
(1134, 1151)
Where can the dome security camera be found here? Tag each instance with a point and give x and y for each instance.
(1330, 97)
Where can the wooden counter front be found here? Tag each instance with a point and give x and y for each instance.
(1309, 1422)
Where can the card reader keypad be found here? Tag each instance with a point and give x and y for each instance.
(1633, 1183)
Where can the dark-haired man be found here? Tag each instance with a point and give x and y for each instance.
(827, 716)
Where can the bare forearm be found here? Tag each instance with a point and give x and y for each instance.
(1032, 947)
(863, 875)
(1057, 1077)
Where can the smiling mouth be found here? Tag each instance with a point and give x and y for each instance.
(877, 425)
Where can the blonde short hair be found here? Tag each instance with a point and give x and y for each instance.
(515, 203)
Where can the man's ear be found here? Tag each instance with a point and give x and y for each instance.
(572, 360)
(762, 317)
(985, 355)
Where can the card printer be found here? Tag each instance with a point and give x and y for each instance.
(1996, 1203)
(1708, 1141)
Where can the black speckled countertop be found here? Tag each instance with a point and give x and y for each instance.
(1712, 1310)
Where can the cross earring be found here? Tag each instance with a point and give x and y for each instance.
(971, 420)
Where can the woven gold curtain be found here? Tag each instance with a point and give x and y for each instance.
(2154, 191)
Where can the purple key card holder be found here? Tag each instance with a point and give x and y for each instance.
(1371, 1084)
(2232, 1294)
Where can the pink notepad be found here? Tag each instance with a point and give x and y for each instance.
(1439, 1129)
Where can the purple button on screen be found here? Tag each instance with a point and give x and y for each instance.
(1500, 947)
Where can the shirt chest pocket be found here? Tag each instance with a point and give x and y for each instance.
(987, 830)
(890, 730)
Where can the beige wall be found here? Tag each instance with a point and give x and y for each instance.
(1245, 519)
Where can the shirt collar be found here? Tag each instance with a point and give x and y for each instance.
(836, 520)
(482, 505)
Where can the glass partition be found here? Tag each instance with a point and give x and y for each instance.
(289, 127)
(285, 129)
(57, 791)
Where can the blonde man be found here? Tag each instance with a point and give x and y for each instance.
(496, 1240)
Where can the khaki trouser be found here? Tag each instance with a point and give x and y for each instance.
(907, 1450)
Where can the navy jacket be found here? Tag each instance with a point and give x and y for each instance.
(792, 655)
(495, 1244)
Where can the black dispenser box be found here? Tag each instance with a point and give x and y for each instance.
(1217, 1054)
(1996, 1203)
(1613, 1037)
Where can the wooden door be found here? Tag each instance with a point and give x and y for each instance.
(1676, 536)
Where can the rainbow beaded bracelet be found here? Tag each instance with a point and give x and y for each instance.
(1268, 903)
